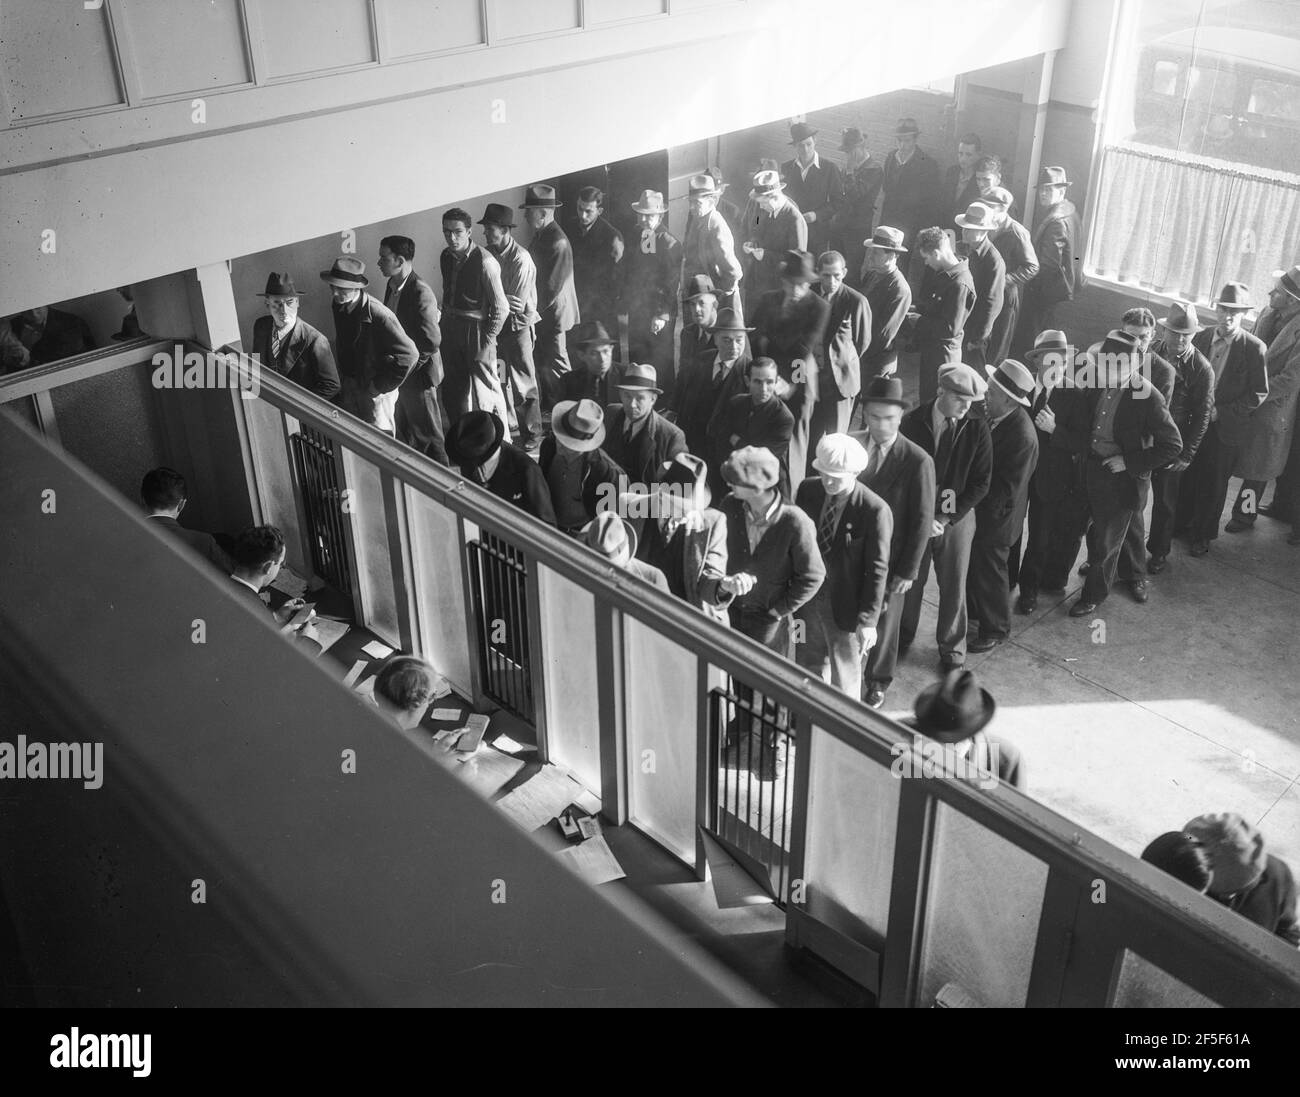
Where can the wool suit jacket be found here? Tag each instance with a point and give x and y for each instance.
(905, 481)
(1242, 386)
(597, 252)
(740, 422)
(775, 233)
(518, 480)
(786, 565)
(651, 447)
(704, 562)
(305, 644)
(1192, 403)
(697, 396)
(792, 337)
(709, 248)
(946, 301)
(953, 203)
(1056, 241)
(557, 297)
(652, 271)
(910, 192)
(889, 298)
(305, 358)
(600, 476)
(1000, 515)
(857, 566)
(416, 309)
(1143, 429)
(1057, 471)
(1268, 444)
(202, 543)
(961, 486)
(382, 354)
(844, 342)
(988, 272)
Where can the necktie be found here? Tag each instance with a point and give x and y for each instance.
(873, 460)
(826, 528)
(278, 336)
(388, 295)
(943, 452)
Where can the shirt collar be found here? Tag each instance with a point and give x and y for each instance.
(816, 163)
(239, 579)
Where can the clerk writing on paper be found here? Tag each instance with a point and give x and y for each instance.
(405, 688)
(258, 554)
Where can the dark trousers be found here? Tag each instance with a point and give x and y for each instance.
(1116, 501)
(1036, 315)
(551, 357)
(1040, 562)
(1204, 489)
(1004, 326)
(1248, 499)
(988, 588)
(462, 356)
(797, 460)
(516, 347)
(1165, 486)
(884, 656)
(652, 350)
(758, 624)
(419, 418)
(950, 553)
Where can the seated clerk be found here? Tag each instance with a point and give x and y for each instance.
(258, 554)
(164, 495)
(405, 688)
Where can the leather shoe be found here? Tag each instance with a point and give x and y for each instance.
(1082, 608)
(1084, 568)
(1026, 604)
(1238, 525)
(1139, 588)
(1200, 548)
(984, 643)
(875, 697)
(951, 661)
(1157, 564)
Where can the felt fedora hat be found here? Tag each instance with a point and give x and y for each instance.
(591, 333)
(1234, 295)
(1050, 341)
(729, 321)
(1014, 379)
(962, 380)
(977, 216)
(281, 285)
(797, 266)
(886, 239)
(610, 536)
(473, 438)
(497, 214)
(1052, 177)
(885, 390)
(999, 198)
(851, 137)
(650, 201)
(906, 126)
(703, 186)
(752, 467)
(640, 378)
(698, 285)
(766, 182)
(1182, 319)
(540, 196)
(840, 455)
(579, 424)
(954, 708)
(1119, 341)
(348, 271)
(1289, 280)
(801, 131)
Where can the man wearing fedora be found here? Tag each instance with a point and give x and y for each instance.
(1240, 385)
(557, 299)
(790, 324)
(1190, 408)
(731, 213)
(954, 711)
(638, 438)
(708, 246)
(291, 346)
(597, 255)
(579, 474)
(988, 272)
(1266, 451)
(682, 536)
(652, 275)
(1056, 247)
(595, 378)
(699, 314)
(1121, 428)
(863, 177)
(962, 452)
(474, 312)
(374, 353)
(476, 445)
(757, 418)
(1058, 504)
(771, 550)
(843, 344)
(419, 411)
(518, 334)
(945, 303)
(778, 228)
(708, 379)
(816, 188)
(889, 299)
(854, 526)
(613, 538)
(1013, 242)
(911, 183)
(902, 474)
(1000, 515)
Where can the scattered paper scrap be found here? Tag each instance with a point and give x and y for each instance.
(588, 801)
(445, 714)
(329, 631)
(355, 672)
(504, 742)
(487, 771)
(376, 649)
(289, 582)
(541, 798)
(594, 861)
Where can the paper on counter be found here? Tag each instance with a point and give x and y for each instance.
(355, 672)
(376, 649)
(487, 771)
(541, 798)
(289, 582)
(329, 632)
(588, 801)
(504, 742)
(445, 714)
(594, 861)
